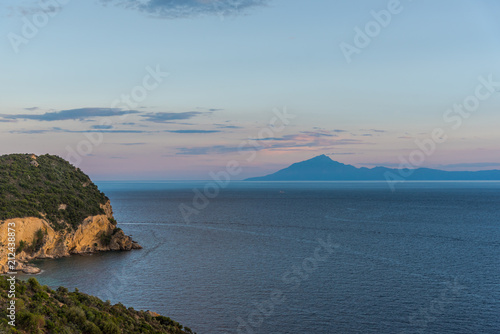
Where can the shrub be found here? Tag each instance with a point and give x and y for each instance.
(34, 285)
(105, 239)
(37, 243)
(109, 327)
(62, 289)
(22, 244)
(76, 315)
(90, 328)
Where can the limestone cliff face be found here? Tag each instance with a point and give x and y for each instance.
(96, 233)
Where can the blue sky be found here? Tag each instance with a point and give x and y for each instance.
(231, 64)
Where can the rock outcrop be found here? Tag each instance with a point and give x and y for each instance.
(95, 234)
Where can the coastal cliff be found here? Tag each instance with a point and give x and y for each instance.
(55, 211)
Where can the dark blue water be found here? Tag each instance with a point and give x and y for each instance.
(303, 257)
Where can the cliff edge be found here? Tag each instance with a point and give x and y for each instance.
(52, 209)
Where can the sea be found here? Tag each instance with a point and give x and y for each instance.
(301, 257)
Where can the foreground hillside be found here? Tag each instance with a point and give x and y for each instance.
(42, 186)
(42, 310)
(52, 209)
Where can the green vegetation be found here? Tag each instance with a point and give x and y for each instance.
(42, 310)
(37, 188)
(22, 246)
(36, 244)
(105, 239)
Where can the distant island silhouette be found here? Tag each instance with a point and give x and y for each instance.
(323, 168)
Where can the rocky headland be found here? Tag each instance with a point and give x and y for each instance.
(54, 210)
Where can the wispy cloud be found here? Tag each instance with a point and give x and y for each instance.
(169, 117)
(102, 127)
(303, 136)
(216, 149)
(287, 142)
(56, 129)
(323, 133)
(192, 131)
(335, 130)
(72, 114)
(173, 9)
(30, 132)
(25, 10)
(108, 131)
(222, 126)
(223, 149)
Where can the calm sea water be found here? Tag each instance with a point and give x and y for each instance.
(424, 259)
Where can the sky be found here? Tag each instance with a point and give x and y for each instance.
(180, 89)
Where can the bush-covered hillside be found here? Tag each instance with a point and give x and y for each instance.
(33, 186)
(42, 310)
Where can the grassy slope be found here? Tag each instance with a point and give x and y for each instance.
(29, 191)
(42, 310)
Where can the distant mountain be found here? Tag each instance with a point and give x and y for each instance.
(322, 168)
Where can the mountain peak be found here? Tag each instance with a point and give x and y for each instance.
(322, 157)
(323, 160)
